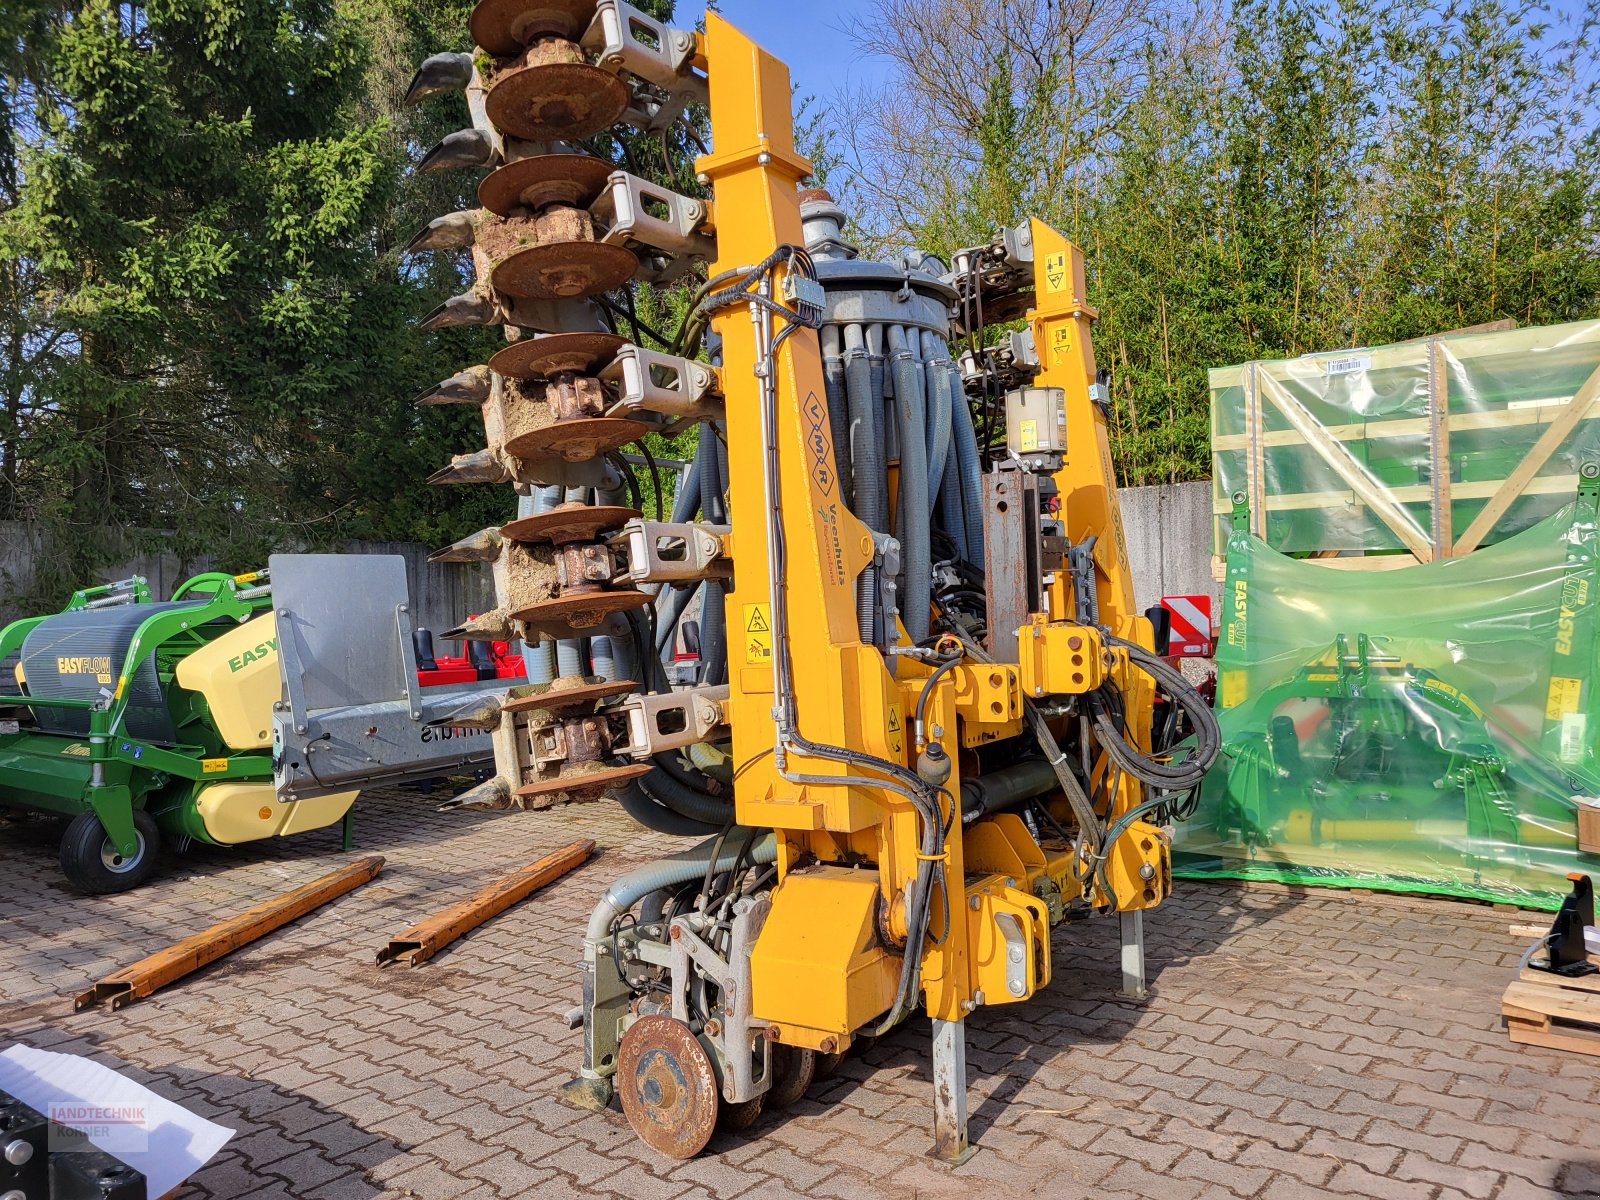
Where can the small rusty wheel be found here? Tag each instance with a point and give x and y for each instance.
(559, 101)
(793, 1070)
(550, 353)
(503, 27)
(668, 1087)
(537, 182)
(736, 1118)
(564, 270)
(579, 785)
(577, 440)
(568, 523)
(559, 699)
(577, 616)
(828, 1065)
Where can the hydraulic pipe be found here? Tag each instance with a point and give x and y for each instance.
(936, 356)
(838, 406)
(863, 405)
(1009, 786)
(913, 529)
(679, 868)
(684, 800)
(657, 818)
(969, 468)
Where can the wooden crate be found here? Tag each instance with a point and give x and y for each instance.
(1548, 1010)
(1262, 407)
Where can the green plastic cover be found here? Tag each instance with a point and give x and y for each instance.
(1427, 729)
(1402, 448)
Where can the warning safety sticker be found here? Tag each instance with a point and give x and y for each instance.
(757, 635)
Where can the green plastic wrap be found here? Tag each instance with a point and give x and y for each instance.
(1428, 729)
(1402, 448)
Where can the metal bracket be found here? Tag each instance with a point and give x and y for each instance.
(671, 720)
(626, 41)
(293, 672)
(1241, 513)
(639, 213)
(408, 661)
(649, 381)
(738, 1040)
(669, 552)
(1134, 983)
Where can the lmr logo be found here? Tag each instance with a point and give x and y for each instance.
(115, 1128)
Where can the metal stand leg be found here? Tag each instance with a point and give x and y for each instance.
(1133, 980)
(348, 829)
(950, 1093)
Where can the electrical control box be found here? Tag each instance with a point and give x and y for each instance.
(1036, 427)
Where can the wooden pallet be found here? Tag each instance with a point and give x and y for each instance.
(1542, 1009)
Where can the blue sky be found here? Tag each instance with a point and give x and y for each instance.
(806, 34)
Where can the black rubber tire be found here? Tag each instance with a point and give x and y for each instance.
(93, 867)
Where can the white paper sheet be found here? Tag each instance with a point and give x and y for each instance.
(165, 1141)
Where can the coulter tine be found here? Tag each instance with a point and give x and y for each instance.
(469, 308)
(477, 712)
(492, 626)
(463, 148)
(480, 547)
(440, 73)
(492, 795)
(481, 466)
(453, 231)
(464, 387)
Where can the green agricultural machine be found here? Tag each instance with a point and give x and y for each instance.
(192, 720)
(110, 722)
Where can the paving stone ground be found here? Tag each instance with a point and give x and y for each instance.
(1297, 1044)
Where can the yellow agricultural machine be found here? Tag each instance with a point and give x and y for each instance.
(921, 732)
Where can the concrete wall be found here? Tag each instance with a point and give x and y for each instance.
(441, 593)
(1169, 546)
(1169, 541)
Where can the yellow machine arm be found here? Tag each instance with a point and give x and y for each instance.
(934, 734)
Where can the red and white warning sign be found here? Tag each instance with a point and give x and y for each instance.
(1191, 626)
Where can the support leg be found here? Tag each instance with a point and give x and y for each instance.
(950, 1092)
(347, 829)
(1133, 979)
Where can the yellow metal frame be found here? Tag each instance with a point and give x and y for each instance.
(827, 957)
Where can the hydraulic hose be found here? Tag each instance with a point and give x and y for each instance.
(1089, 827)
(838, 404)
(952, 517)
(867, 467)
(685, 801)
(1208, 736)
(713, 507)
(914, 512)
(941, 417)
(678, 868)
(657, 818)
(969, 467)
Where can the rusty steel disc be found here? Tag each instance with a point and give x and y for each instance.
(577, 616)
(557, 699)
(667, 1085)
(555, 353)
(577, 441)
(560, 101)
(573, 180)
(587, 782)
(569, 523)
(503, 27)
(564, 271)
